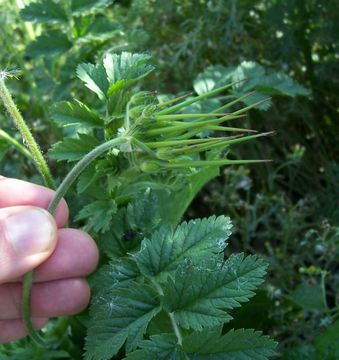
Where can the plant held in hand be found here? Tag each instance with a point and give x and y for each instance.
(166, 290)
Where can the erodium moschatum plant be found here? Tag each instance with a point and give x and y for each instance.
(165, 289)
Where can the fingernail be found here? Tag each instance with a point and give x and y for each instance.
(30, 231)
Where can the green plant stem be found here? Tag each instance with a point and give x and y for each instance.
(170, 315)
(25, 133)
(26, 297)
(42, 167)
(60, 192)
(79, 168)
(4, 135)
(175, 328)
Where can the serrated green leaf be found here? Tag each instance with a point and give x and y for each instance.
(67, 113)
(131, 224)
(125, 69)
(142, 214)
(101, 29)
(198, 239)
(98, 215)
(81, 7)
(94, 77)
(251, 71)
(50, 43)
(120, 272)
(199, 295)
(44, 11)
(73, 149)
(281, 84)
(86, 179)
(255, 79)
(159, 347)
(234, 345)
(120, 315)
(256, 97)
(116, 104)
(139, 355)
(81, 25)
(213, 77)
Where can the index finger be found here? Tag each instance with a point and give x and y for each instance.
(14, 192)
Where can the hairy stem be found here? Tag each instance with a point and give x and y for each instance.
(25, 133)
(42, 167)
(79, 168)
(60, 192)
(26, 296)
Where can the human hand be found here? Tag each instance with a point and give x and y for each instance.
(30, 238)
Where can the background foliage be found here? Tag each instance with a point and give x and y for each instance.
(286, 211)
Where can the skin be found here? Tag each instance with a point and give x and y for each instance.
(59, 284)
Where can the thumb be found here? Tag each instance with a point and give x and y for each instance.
(28, 236)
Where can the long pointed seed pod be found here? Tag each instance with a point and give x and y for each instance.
(197, 98)
(159, 144)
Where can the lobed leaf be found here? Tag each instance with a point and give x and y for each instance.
(143, 212)
(159, 347)
(196, 240)
(212, 77)
(256, 79)
(120, 315)
(73, 149)
(281, 84)
(94, 77)
(50, 43)
(126, 69)
(120, 272)
(132, 223)
(207, 345)
(44, 11)
(234, 345)
(116, 73)
(82, 7)
(98, 215)
(101, 29)
(199, 295)
(67, 113)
